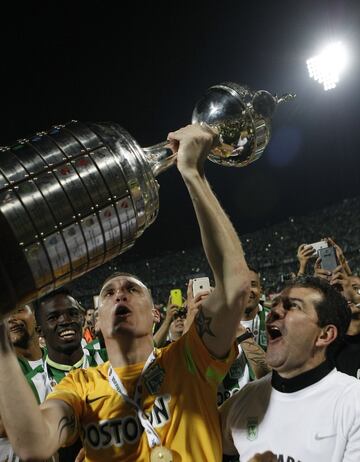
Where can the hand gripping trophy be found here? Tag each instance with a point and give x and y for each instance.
(80, 194)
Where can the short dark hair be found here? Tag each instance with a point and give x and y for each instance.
(61, 290)
(332, 309)
(253, 269)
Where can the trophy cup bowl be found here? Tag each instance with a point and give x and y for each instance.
(242, 119)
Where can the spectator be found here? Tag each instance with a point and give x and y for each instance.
(97, 346)
(161, 337)
(347, 359)
(25, 339)
(307, 320)
(177, 325)
(254, 317)
(88, 329)
(249, 365)
(158, 316)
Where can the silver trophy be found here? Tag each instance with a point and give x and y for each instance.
(80, 194)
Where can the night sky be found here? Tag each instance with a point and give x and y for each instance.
(145, 64)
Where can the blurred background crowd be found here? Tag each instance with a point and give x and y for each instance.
(272, 251)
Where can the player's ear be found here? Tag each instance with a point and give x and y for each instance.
(328, 334)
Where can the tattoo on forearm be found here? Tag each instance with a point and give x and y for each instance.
(67, 424)
(202, 324)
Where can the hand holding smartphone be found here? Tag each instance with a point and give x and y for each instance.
(201, 285)
(327, 253)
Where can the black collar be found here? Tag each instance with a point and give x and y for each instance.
(352, 338)
(300, 381)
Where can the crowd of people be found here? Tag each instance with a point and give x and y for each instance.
(273, 251)
(244, 370)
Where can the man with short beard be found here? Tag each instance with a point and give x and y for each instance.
(25, 338)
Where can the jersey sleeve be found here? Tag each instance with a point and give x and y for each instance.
(200, 361)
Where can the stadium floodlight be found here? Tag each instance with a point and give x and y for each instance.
(327, 66)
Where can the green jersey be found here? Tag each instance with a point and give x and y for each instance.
(99, 353)
(27, 366)
(46, 376)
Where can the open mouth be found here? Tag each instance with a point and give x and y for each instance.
(67, 334)
(274, 332)
(122, 310)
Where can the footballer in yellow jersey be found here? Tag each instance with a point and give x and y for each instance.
(178, 389)
(178, 395)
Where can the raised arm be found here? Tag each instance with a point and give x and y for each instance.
(220, 315)
(34, 432)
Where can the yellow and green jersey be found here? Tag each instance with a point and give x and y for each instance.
(178, 395)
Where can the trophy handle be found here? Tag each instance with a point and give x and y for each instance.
(285, 98)
(160, 157)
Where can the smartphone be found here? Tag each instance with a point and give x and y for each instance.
(319, 245)
(328, 258)
(176, 297)
(200, 284)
